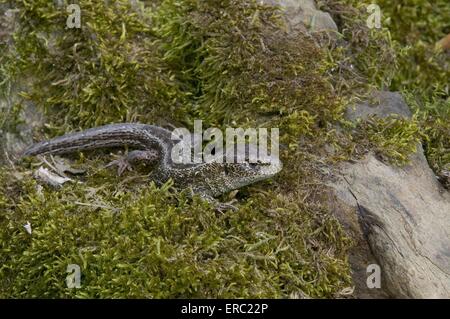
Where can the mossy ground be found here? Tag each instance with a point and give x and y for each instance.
(133, 239)
(229, 63)
(402, 56)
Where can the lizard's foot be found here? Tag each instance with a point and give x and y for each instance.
(122, 165)
(135, 157)
(222, 207)
(218, 206)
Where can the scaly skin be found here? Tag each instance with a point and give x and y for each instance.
(209, 179)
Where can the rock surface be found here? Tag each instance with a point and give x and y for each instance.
(303, 13)
(382, 104)
(19, 133)
(402, 212)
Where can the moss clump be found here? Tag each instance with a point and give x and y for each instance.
(138, 240)
(363, 58)
(417, 26)
(393, 139)
(241, 67)
(424, 71)
(434, 120)
(409, 61)
(107, 71)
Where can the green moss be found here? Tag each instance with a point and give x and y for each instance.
(424, 72)
(392, 138)
(230, 63)
(400, 57)
(137, 240)
(241, 66)
(417, 25)
(134, 240)
(363, 58)
(107, 71)
(434, 121)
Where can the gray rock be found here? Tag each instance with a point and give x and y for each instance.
(15, 134)
(382, 104)
(303, 13)
(13, 142)
(402, 212)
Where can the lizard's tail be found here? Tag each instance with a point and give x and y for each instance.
(112, 135)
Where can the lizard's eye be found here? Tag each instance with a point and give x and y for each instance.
(253, 165)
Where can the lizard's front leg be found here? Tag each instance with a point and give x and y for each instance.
(219, 206)
(133, 158)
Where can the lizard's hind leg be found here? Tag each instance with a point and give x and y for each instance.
(133, 158)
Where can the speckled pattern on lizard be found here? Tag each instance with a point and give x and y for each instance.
(154, 144)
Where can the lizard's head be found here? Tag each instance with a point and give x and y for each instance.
(241, 174)
(220, 175)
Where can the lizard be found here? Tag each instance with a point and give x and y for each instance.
(153, 145)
